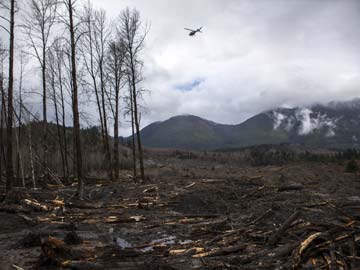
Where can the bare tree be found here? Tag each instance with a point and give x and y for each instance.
(10, 6)
(59, 60)
(38, 24)
(88, 53)
(116, 57)
(133, 143)
(130, 31)
(32, 169)
(94, 54)
(52, 78)
(2, 109)
(19, 163)
(72, 28)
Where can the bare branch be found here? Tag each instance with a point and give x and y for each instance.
(5, 29)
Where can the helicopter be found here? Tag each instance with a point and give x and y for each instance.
(193, 32)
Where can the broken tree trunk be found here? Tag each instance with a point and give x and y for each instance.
(274, 238)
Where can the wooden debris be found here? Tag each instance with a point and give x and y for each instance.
(221, 251)
(28, 219)
(36, 205)
(292, 187)
(212, 181)
(252, 193)
(58, 202)
(227, 224)
(13, 209)
(56, 253)
(187, 252)
(115, 219)
(304, 245)
(261, 217)
(276, 236)
(191, 185)
(150, 189)
(17, 267)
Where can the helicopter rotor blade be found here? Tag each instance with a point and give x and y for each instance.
(189, 29)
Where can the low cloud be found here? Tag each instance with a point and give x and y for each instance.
(311, 121)
(305, 120)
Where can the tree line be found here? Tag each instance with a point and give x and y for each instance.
(80, 52)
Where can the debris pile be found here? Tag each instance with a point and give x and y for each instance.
(269, 218)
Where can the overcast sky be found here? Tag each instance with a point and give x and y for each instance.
(253, 55)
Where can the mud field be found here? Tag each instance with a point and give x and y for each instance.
(190, 214)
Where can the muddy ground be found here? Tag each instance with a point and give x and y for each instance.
(190, 214)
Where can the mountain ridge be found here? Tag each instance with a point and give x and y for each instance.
(331, 125)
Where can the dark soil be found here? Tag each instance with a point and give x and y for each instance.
(203, 215)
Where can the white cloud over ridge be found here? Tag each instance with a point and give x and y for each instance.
(305, 121)
(311, 122)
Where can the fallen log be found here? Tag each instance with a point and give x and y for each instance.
(186, 252)
(13, 209)
(228, 234)
(17, 267)
(36, 205)
(283, 251)
(252, 193)
(83, 205)
(293, 187)
(260, 218)
(221, 251)
(191, 185)
(151, 189)
(274, 238)
(114, 219)
(212, 181)
(28, 220)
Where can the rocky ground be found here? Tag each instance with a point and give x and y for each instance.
(190, 214)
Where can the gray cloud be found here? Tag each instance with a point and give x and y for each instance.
(252, 56)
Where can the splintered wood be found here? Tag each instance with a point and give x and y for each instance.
(251, 221)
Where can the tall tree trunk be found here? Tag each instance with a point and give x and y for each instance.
(92, 74)
(100, 113)
(100, 103)
(9, 129)
(116, 143)
(45, 126)
(76, 117)
(58, 129)
(1, 127)
(31, 156)
(20, 171)
(136, 117)
(132, 131)
(106, 132)
(116, 127)
(18, 158)
(63, 126)
(2, 119)
(63, 120)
